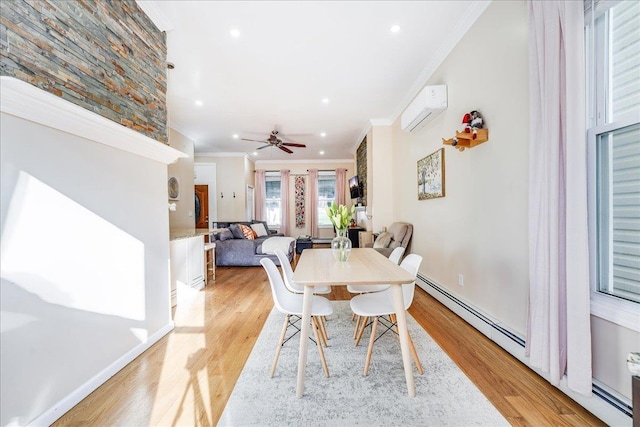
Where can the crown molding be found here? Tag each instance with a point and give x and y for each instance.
(220, 154)
(362, 135)
(20, 99)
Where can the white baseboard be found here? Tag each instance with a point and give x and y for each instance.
(56, 411)
(513, 343)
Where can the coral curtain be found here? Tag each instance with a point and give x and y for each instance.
(260, 194)
(313, 202)
(285, 206)
(341, 184)
(558, 323)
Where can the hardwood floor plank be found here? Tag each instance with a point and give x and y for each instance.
(187, 377)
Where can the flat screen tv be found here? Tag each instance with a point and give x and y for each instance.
(354, 187)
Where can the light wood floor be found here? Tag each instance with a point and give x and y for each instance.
(187, 377)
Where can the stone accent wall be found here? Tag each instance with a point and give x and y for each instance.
(361, 166)
(104, 55)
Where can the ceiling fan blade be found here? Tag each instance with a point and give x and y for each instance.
(264, 146)
(285, 149)
(253, 140)
(293, 144)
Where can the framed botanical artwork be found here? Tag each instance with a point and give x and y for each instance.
(174, 188)
(431, 176)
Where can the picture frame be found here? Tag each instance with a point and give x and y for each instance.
(173, 188)
(431, 176)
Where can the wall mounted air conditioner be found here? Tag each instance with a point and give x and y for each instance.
(431, 101)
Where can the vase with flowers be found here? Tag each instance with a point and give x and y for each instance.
(340, 216)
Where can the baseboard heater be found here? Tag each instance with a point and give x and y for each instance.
(597, 390)
(518, 340)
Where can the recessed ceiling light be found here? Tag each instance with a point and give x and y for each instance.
(395, 28)
(255, 153)
(235, 136)
(234, 32)
(325, 100)
(199, 103)
(323, 134)
(322, 153)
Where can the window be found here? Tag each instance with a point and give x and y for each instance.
(272, 199)
(326, 195)
(613, 95)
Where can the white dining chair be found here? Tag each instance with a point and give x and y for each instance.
(287, 272)
(289, 303)
(378, 304)
(395, 257)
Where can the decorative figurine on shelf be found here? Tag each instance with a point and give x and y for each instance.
(472, 122)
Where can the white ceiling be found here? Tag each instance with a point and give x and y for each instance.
(288, 57)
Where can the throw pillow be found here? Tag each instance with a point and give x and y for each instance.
(226, 234)
(383, 240)
(236, 231)
(247, 232)
(217, 232)
(258, 227)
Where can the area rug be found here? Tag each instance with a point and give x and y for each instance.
(444, 395)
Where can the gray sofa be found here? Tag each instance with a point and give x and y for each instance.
(245, 252)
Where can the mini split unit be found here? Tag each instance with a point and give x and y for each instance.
(431, 101)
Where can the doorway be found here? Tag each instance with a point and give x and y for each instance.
(202, 206)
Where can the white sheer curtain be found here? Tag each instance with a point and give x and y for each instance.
(341, 184)
(284, 202)
(313, 202)
(558, 327)
(260, 194)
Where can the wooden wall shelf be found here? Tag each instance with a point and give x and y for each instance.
(465, 140)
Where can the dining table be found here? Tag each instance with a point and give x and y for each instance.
(365, 266)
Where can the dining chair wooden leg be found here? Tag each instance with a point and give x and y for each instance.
(323, 332)
(319, 345)
(363, 325)
(280, 341)
(355, 330)
(323, 322)
(372, 339)
(415, 356)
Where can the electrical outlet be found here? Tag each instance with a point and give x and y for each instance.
(190, 213)
(460, 280)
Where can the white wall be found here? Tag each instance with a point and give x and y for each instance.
(183, 217)
(232, 176)
(479, 229)
(85, 254)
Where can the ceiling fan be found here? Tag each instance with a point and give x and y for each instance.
(274, 141)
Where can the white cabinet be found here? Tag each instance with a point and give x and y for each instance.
(187, 264)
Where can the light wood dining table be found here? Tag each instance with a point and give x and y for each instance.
(365, 266)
